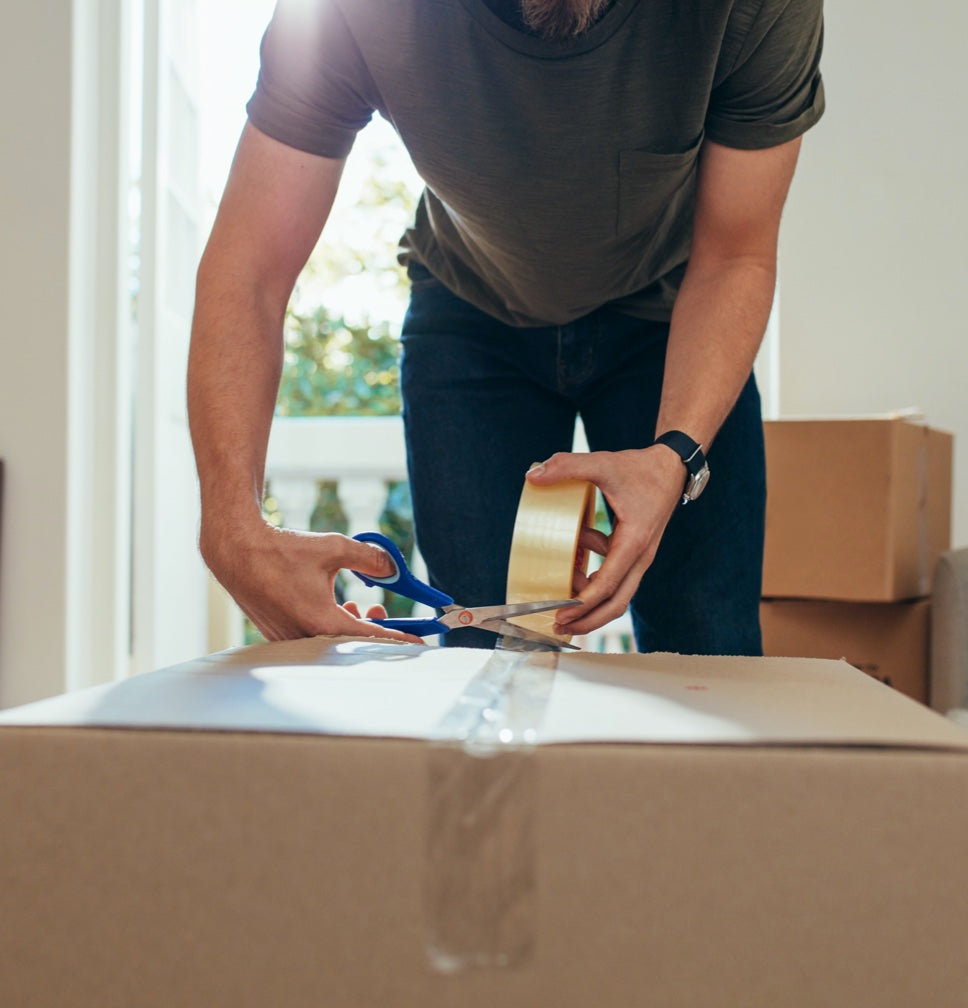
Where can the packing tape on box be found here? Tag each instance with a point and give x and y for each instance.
(480, 857)
(479, 881)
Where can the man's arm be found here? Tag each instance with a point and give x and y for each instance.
(718, 323)
(275, 205)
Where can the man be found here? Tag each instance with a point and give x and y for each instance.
(598, 234)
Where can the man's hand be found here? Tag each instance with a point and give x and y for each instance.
(284, 582)
(643, 488)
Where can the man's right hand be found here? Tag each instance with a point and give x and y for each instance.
(284, 580)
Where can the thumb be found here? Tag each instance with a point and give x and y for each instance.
(562, 466)
(367, 558)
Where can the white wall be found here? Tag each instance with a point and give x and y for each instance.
(874, 291)
(35, 119)
(67, 367)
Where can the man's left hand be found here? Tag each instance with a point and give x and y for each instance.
(643, 488)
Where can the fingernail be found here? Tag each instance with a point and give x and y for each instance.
(537, 467)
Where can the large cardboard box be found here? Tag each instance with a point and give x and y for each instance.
(888, 640)
(352, 825)
(857, 509)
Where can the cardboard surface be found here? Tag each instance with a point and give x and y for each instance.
(362, 688)
(949, 632)
(189, 867)
(857, 509)
(890, 641)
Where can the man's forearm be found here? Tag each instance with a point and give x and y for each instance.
(274, 207)
(717, 327)
(233, 379)
(724, 303)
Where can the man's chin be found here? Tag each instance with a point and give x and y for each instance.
(561, 19)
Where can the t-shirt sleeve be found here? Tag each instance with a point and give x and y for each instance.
(314, 91)
(770, 90)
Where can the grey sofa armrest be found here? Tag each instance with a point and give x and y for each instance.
(949, 632)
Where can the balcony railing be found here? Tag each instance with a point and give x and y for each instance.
(362, 456)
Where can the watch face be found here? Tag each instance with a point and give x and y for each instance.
(697, 484)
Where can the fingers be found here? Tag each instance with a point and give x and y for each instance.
(374, 612)
(604, 597)
(339, 621)
(355, 627)
(603, 592)
(592, 539)
(589, 540)
(377, 612)
(593, 615)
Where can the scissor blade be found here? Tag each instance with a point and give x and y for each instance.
(455, 615)
(525, 608)
(520, 633)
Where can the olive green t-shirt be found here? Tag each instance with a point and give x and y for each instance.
(560, 176)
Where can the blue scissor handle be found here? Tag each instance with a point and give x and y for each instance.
(414, 625)
(402, 582)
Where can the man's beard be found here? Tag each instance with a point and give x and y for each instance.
(561, 19)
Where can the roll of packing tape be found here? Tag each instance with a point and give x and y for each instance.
(544, 548)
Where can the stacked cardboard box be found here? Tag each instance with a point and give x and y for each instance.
(858, 512)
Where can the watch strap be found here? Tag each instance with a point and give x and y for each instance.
(692, 456)
(688, 450)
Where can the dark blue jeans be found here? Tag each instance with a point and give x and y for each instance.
(483, 401)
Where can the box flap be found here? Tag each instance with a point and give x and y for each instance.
(912, 414)
(364, 688)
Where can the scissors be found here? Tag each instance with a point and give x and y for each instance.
(493, 618)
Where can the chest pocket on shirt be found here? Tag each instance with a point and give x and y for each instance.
(655, 193)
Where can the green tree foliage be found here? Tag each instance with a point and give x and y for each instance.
(341, 342)
(335, 368)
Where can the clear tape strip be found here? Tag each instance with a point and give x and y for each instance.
(480, 860)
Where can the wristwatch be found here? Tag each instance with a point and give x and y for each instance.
(695, 462)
